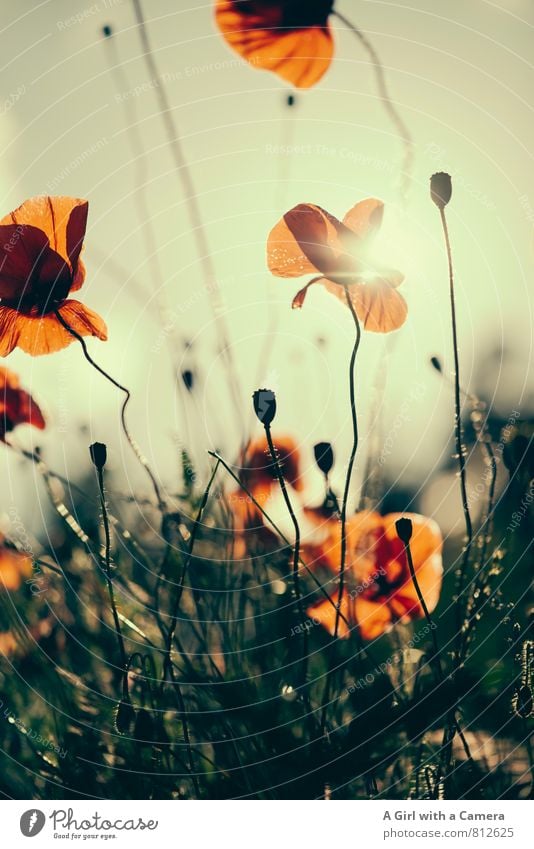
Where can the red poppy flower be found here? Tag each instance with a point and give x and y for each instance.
(15, 568)
(290, 38)
(379, 590)
(308, 240)
(258, 475)
(16, 406)
(40, 245)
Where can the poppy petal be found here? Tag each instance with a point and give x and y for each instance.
(373, 618)
(324, 614)
(300, 56)
(38, 335)
(62, 219)
(365, 218)
(378, 305)
(305, 241)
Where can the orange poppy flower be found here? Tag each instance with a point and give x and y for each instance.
(379, 590)
(258, 475)
(16, 406)
(15, 568)
(308, 240)
(40, 245)
(291, 38)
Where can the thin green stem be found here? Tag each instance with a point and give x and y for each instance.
(135, 447)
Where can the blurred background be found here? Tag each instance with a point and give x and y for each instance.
(79, 115)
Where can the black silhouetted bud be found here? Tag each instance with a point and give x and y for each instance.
(264, 405)
(107, 31)
(125, 717)
(291, 100)
(437, 364)
(98, 454)
(523, 702)
(441, 189)
(144, 727)
(324, 456)
(404, 530)
(188, 379)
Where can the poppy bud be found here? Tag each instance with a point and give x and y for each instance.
(125, 716)
(437, 364)
(107, 31)
(523, 703)
(188, 379)
(291, 100)
(441, 189)
(98, 454)
(404, 530)
(144, 727)
(324, 456)
(264, 405)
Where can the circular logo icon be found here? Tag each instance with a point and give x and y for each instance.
(32, 822)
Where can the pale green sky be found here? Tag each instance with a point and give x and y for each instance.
(462, 78)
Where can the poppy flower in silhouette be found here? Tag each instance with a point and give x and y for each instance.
(291, 38)
(378, 588)
(16, 406)
(258, 475)
(15, 568)
(40, 245)
(308, 240)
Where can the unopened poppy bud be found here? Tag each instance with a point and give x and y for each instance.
(107, 31)
(291, 100)
(437, 364)
(188, 379)
(98, 454)
(264, 405)
(324, 456)
(441, 189)
(125, 717)
(404, 530)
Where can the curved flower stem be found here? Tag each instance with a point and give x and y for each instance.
(280, 533)
(400, 126)
(109, 582)
(436, 660)
(351, 459)
(296, 548)
(458, 433)
(135, 447)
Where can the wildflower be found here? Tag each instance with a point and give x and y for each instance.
(379, 590)
(258, 475)
(308, 240)
(16, 406)
(291, 38)
(40, 245)
(15, 568)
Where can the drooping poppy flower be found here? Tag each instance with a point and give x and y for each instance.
(40, 245)
(308, 240)
(378, 588)
(15, 568)
(16, 406)
(291, 38)
(258, 475)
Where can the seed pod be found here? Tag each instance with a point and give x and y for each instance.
(441, 189)
(99, 454)
(125, 717)
(404, 530)
(144, 727)
(264, 405)
(523, 703)
(324, 456)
